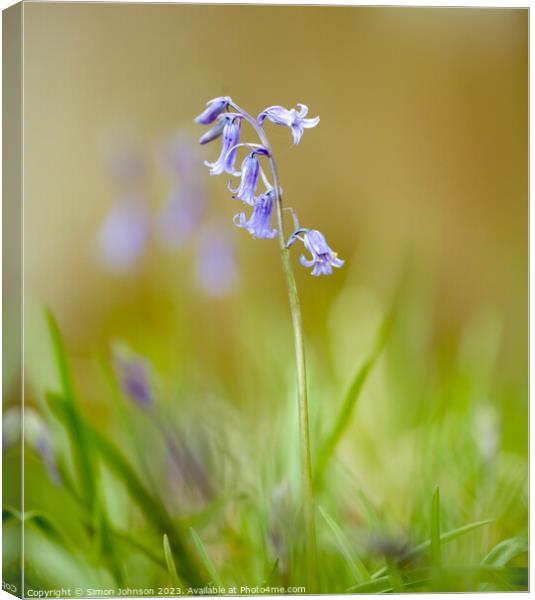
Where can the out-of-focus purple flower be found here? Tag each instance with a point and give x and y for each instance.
(181, 216)
(280, 523)
(216, 270)
(250, 172)
(181, 158)
(227, 158)
(259, 224)
(189, 465)
(322, 257)
(37, 436)
(11, 427)
(123, 235)
(127, 165)
(213, 109)
(290, 118)
(186, 202)
(133, 377)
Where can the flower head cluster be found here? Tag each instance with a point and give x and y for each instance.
(226, 119)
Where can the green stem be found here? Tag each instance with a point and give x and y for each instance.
(297, 323)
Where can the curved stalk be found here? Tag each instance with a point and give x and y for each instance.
(295, 309)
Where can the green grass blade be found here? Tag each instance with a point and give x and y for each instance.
(449, 536)
(72, 419)
(380, 585)
(350, 400)
(130, 540)
(371, 514)
(500, 576)
(10, 513)
(67, 385)
(394, 576)
(206, 560)
(435, 540)
(356, 566)
(169, 560)
(272, 573)
(153, 509)
(506, 551)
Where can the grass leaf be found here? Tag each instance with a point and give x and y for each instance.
(476, 574)
(350, 400)
(72, 419)
(150, 505)
(449, 536)
(169, 560)
(356, 566)
(505, 551)
(435, 540)
(206, 560)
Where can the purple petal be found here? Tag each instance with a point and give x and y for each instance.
(213, 109)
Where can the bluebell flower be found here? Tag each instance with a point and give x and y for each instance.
(214, 132)
(250, 172)
(37, 436)
(181, 216)
(183, 210)
(123, 235)
(322, 257)
(180, 158)
(133, 377)
(259, 224)
(216, 270)
(127, 165)
(290, 118)
(213, 109)
(227, 158)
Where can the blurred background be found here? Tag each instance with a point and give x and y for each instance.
(417, 175)
(422, 146)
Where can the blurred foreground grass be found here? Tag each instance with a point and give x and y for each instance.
(420, 456)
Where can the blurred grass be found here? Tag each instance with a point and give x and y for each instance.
(420, 425)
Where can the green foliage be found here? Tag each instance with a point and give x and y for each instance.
(138, 512)
(435, 541)
(215, 579)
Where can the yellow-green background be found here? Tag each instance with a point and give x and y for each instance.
(422, 142)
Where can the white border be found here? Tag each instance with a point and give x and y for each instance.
(393, 3)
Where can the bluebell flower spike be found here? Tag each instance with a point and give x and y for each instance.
(227, 117)
(290, 118)
(259, 224)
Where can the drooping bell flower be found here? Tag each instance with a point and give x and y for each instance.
(259, 224)
(250, 172)
(213, 109)
(322, 257)
(290, 118)
(227, 158)
(214, 132)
